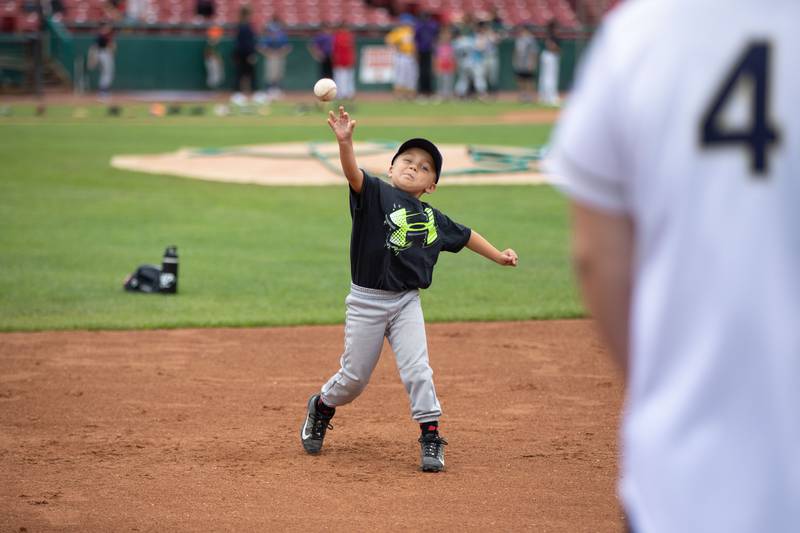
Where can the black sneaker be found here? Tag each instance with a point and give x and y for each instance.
(313, 431)
(432, 452)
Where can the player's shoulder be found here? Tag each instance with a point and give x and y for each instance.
(634, 28)
(632, 14)
(632, 23)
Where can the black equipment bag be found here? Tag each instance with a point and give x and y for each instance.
(145, 279)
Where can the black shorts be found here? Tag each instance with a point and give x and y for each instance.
(524, 74)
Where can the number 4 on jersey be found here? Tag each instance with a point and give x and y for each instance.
(754, 66)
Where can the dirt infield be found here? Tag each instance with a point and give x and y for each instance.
(198, 430)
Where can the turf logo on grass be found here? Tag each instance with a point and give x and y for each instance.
(317, 163)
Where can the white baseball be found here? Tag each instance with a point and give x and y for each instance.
(325, 89)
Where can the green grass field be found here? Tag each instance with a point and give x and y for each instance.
(73, 227)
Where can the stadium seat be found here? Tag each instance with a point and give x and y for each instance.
(306, 13)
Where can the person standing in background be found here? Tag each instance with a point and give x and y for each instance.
(445, 62)
(470, 48)
(495, 32)
(215, 68)
(549, 67)
(406, 70)
(462, 47)
(524, 61)
(101, 56)
(344, 62)
(244, 57)
(321, 49)
(274, 46)
(425, 33)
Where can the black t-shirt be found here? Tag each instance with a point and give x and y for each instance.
(397, 238)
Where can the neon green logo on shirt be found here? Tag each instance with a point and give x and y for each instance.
(406, 226)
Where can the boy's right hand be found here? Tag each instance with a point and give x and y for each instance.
(342, 126)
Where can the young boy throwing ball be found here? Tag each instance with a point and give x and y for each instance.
(396, 240)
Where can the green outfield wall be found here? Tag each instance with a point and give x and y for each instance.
(16, 60)
(157, 61)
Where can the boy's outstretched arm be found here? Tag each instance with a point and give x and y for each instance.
(478, 244)
(343, 128)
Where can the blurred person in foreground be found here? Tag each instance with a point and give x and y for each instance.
(680, 151)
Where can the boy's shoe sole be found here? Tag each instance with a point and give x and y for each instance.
(433, 467)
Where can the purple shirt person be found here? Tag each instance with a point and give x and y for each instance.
(426, 30)
(321, 49)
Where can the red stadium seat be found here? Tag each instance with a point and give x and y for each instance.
(315, 12)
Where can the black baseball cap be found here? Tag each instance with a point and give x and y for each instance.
(423, 144)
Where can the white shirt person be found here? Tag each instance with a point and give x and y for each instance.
(680, 152)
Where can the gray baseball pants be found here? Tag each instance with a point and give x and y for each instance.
(373, 315)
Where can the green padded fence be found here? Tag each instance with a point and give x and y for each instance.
(156, 62)
(15, 60)
(59, 45)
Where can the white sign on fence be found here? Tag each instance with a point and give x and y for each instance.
(377, 64)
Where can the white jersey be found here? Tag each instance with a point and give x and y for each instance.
(686, 117)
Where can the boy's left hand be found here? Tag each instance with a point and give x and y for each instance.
(508, 257)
